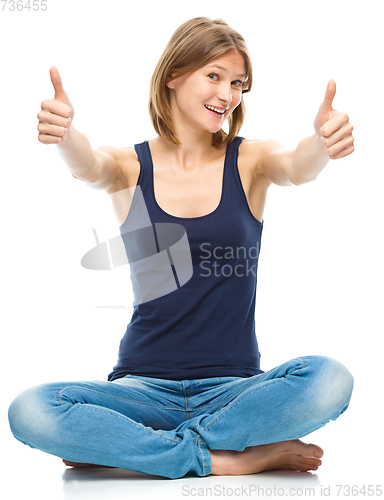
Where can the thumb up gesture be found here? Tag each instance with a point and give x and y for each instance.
(56, 114)
(333, 127)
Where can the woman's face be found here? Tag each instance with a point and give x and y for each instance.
(209, 85)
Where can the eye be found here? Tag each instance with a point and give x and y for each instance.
(239, 82)
(212, 74)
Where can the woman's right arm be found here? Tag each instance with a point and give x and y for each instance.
(96, 168)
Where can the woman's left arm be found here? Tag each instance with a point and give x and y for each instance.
(333, 139)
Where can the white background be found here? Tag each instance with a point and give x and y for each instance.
(320, 268)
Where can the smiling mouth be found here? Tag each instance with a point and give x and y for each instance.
(213, 111)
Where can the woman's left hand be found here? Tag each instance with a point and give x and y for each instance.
(333, 128)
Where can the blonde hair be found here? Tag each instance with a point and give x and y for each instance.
(192, 45)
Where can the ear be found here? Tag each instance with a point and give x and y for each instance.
(169, 84)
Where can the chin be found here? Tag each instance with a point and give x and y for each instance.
(214, 130)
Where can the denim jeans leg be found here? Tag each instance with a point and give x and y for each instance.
(113, 424)
(285, 403)
(85, 422)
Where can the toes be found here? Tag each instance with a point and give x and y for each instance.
(309, 463)
(313, 467)
(306, 468)
(314, 461)
(308, 450)
(316, 450)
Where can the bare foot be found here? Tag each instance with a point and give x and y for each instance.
(293, 455)
(80, 465)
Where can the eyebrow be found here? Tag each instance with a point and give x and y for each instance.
(221, 67)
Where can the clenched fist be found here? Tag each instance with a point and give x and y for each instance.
(56, 114)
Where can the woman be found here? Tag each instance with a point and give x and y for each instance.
(187, 395)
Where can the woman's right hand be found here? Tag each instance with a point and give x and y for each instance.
(56, 114)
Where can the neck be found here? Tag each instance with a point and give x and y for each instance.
(195, 151)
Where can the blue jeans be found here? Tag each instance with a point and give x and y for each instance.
(167, 427)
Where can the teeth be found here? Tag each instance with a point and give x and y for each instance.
(221, 111)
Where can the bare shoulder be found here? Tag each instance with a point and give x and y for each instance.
(130, 165)
(251, 154)
(268, 160)
(127, 167)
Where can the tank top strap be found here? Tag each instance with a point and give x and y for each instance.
(146, 173)
(233, 192)
(231, 169)
(142, 152)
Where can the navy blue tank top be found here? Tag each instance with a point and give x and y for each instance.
(204, 327)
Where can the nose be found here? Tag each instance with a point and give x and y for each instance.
(225, 93)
